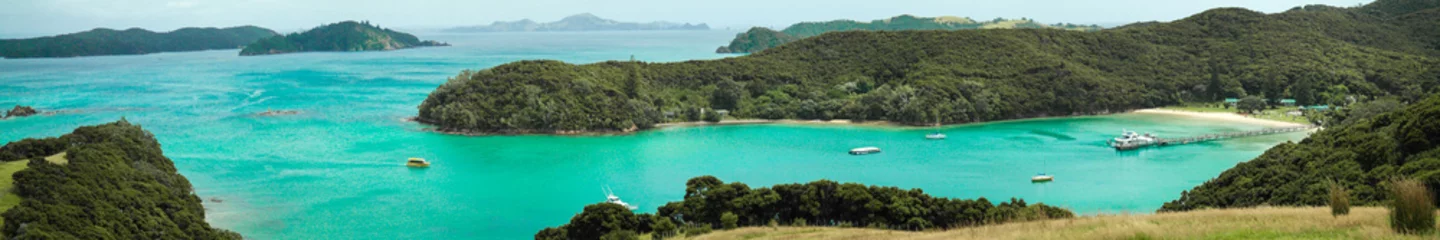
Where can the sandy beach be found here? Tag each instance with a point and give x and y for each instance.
(1219, 117)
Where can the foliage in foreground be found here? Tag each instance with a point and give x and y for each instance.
(116, 185)
(1359, 156)
(711, 203)
(1315, 54)
(1411, 210)
(347, 36)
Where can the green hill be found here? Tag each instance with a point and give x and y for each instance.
(102, 41)
(1314, 54)
(760, 38)
(347, 36)
(102, 182)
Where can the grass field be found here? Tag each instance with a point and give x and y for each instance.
(8, 199)
(1250, 223)
(1277, 114)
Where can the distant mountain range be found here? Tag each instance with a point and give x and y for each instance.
(347, 36)
(578, 22)
(760, 38)
(104, 41)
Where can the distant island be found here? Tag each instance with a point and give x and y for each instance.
(760, 38)
(578, 22)
(104, 41)
(347, 36)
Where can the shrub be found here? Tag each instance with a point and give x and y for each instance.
(1411, 211)
(729, 220)
(798, 222)
(620, 235)
(697, 230)
(1339, 199)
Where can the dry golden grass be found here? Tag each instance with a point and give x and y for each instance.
(954, 19)
(1253, 223)
(58, 158)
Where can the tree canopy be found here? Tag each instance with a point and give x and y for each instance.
(1360, 151)
(760, 38)
(946, 77)
(711, 203)
(116, 184)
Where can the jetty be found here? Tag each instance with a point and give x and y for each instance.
(1129, 142)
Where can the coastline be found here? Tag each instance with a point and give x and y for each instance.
(1216, 116)
(1213, 116)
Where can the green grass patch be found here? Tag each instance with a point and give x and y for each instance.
(8, 199)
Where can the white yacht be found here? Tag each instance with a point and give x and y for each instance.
(864, 150)
(611, 198)
(935, 136)
(1132, 140)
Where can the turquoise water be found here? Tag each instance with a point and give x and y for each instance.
(336, 170)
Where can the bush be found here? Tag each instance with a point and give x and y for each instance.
(621, 235)
(697, 230)
(662, 227)
(1339, 199)
(729, 220)
(798, 222)
(1411, 211)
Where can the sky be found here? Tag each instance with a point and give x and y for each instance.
(32, 18)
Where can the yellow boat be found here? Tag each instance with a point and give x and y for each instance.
(417, 163)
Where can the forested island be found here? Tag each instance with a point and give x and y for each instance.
(713, 204)
(1386, 48)
(760, 38)
(109, 181)
(578, 22)
(347, 36)
(104, 41)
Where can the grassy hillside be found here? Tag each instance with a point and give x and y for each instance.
(103, 41)
(1249, 223)
(1316, 55)
(745, 42)
(347, 36)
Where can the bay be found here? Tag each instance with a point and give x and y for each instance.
(335, 171)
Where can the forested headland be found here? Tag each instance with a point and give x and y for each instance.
(1365, 147)
(713, 204)
(760, 38)
(347, 36)
(114, 183)
(1314, 54)
(104, 41)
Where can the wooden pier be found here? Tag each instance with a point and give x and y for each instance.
(1160, 142)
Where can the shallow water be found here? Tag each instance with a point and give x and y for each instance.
(336, 170)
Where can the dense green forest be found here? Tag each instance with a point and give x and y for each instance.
(116, 185)
(347, 36)
(1366, 146)
(759, 38)
(711, 203)
(103, 41)
(1314, 54)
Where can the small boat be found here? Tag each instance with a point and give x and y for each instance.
(1042, 177)
(611, 198)
(864, 150)
(935, 136)
(417, 163)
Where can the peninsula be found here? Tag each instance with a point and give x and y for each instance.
(951, 77)
(760, 38)
(578, 22)
(104, 41)
(109, 181)
(347, 36)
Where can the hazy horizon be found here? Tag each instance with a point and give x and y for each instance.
(26, 18)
